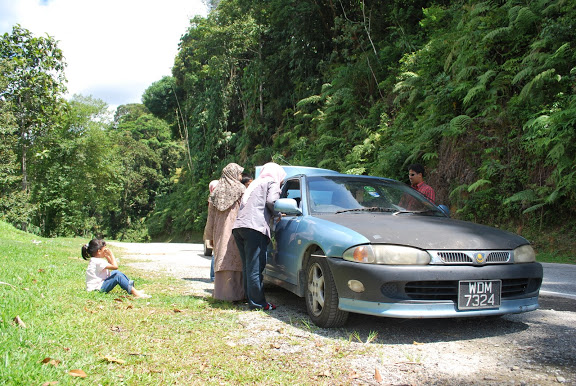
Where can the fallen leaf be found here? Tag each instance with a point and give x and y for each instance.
(353, 375)
(114, 360)
(326, 373)
(50, 383)
(274, 345)
(40, 270)
(177, 310)
(77, 373)
(377, 376)
(118, 300)
(130, 306)
(19, 322)
(50, 361)
(417, 343)
(116, 328)
(90, 311)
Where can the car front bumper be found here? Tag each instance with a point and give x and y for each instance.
(431, 291)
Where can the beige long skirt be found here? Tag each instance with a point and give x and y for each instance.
(228, 286)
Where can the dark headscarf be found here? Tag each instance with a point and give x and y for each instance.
(229, 188)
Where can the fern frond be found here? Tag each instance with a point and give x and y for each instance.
(473, 92)
(523, 74)
(528, 195)
(485, 77)
(537, 82)
(480, 8)
(460, 124)
(478, 184)
(466, 73)
(498, 33)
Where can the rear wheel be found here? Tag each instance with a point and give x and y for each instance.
(322, 295)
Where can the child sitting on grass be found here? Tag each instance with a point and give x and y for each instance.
(98, 275)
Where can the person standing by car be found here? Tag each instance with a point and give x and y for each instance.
(223, 208)
(208, 243)
(252, 231)
(416, 175)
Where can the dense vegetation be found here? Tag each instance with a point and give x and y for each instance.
(482, 93)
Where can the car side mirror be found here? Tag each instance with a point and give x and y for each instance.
(288, 206)
(445, 209)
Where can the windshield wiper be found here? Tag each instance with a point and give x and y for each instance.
(428, 211)
(371, 209)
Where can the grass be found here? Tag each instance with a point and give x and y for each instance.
(113, 338)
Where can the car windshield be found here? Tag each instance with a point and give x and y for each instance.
(357, 194)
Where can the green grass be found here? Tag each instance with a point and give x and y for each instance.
(169, 339)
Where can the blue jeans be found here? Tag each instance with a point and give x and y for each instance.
(212, 269)
(117, 278)
(252, 245)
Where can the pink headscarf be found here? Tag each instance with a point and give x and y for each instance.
(212, 185)
(270, 172)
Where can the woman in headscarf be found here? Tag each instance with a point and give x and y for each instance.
(223, 208)
(252, 231)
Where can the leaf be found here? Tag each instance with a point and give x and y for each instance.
(377, 376)
(50, 383)
(113, 360)
(19, 322)
(77, 373)
(50, 361)
(177, 310)
(417, 343)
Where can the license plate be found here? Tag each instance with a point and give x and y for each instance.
(479, 294)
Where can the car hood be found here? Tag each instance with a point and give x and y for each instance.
(426, 232)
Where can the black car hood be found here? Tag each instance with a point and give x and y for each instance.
(426, 232)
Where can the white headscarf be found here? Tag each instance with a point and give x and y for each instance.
(270, 172)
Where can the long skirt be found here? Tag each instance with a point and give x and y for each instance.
(228, 286)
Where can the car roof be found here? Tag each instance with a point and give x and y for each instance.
(307, 170)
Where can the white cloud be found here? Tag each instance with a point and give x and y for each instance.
(114, 49)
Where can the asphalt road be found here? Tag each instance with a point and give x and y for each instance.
(559, 280)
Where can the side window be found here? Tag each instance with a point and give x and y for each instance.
(291, 189)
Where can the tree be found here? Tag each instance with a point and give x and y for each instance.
(35, 83)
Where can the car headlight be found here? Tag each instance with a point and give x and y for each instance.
(524, 254)
(387, 254)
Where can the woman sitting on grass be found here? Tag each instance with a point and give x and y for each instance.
(98, 275)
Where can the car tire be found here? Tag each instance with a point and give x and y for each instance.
(322, 296)
(207, 249)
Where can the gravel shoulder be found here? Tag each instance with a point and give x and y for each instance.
(534, 348)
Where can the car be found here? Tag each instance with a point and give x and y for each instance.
(375, 246)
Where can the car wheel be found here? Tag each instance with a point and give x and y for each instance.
(207, 249)
(322, 296)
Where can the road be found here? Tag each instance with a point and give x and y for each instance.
(559, 280)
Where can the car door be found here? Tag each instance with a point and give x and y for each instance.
(283, 249)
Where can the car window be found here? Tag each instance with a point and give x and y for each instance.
(291, 189)
(337, 194)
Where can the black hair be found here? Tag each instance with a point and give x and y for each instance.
(246, 178)
(90, 249)
(417, 168)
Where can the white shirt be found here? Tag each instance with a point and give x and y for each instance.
(96, 273)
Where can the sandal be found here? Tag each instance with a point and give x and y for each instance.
(269, 306)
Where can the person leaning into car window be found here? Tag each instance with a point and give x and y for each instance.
(252, 231)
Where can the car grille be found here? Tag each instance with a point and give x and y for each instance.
(469, 257)
(448, 290)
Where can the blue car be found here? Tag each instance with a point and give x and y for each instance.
(372, 245)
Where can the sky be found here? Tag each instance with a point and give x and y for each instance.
(114, 49)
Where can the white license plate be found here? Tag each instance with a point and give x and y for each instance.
(479, 294)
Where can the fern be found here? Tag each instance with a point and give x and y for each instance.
(459, 125)
(537, 82)
(473, 92)
(478, 184)
(528, 195)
